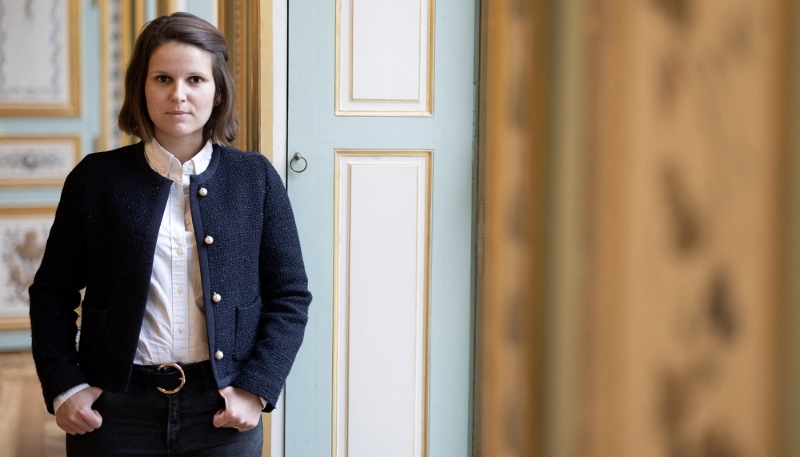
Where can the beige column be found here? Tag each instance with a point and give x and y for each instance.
(511, 210)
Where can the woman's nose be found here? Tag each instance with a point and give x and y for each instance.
(178, 92)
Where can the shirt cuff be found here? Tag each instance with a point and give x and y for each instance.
(58, 401)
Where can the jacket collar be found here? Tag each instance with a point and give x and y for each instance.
(216, 154)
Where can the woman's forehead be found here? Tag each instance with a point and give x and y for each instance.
(176, 55)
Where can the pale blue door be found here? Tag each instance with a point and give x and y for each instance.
(382, 109)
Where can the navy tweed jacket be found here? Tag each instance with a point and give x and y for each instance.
(103, 238)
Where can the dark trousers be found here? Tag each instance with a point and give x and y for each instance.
(146, 422)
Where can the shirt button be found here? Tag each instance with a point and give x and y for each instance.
(180, 251)
(163, 169)
(219, 355)
(180, 290)
(188, 222)
(209, 239)
(203, 192)
(216, 298)
(180, 329)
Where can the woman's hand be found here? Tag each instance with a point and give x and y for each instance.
(242, 409)
(76, 415)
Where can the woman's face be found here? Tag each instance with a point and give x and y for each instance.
(180, 93)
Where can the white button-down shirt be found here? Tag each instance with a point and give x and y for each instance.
(174, 326)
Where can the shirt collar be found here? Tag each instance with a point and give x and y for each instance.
(160, 159)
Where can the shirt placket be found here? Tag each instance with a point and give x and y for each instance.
(180, 281)
(198, 348)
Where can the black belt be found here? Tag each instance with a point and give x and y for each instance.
(170, 378)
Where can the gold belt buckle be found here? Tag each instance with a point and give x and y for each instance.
(183, 378)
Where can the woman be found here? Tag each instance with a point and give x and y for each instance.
(195, 295)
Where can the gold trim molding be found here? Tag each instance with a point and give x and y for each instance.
(239, 22)
(132, 17)
(166, 7)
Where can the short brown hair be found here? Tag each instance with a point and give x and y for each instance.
(223, 126)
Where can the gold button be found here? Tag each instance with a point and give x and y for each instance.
(219, 355)
(216, 297)
(203, 192)
(209, 239)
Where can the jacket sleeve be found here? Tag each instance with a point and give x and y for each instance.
(285, 297)
(55, 294)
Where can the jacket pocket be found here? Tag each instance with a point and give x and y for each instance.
(247, 320)
(93, 327)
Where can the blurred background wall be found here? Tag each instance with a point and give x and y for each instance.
(685, 149)
(638, 218)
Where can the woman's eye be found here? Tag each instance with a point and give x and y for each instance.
(196, 79)
(162, 78)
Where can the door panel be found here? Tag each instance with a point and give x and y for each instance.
(385, 215)
(381, 305)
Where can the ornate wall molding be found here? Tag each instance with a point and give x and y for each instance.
(23, 233)
(37, 160)
(40, 58)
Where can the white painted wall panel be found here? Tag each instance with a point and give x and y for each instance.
(381, 324)
(386, 49)
(381, 309)
(384, 58)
